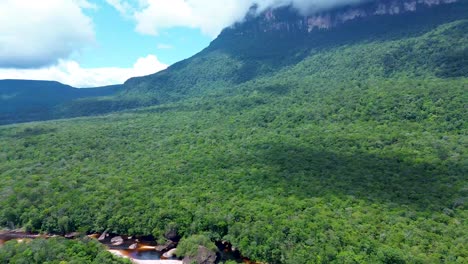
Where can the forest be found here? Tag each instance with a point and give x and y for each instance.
(354, 154)
(58, 251)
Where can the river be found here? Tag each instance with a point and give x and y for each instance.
(140, 250)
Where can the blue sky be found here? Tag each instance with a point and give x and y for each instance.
(119, 45)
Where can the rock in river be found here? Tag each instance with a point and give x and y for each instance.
(103, 236)
(169, 254)
(166, 247)
(133, 246)
(117, 241)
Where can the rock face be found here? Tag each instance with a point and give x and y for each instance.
(204, 256)
(289, 20)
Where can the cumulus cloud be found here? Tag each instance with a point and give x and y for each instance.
(71, 73)
(39, 33)
(210, 16)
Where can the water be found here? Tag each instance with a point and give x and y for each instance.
(144, 252)
(141, 254)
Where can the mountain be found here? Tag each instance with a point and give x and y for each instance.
(277, 39)
(266, 44)
(297, 139)
(25, 100)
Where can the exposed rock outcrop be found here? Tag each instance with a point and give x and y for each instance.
(204, 256)
(281, 19)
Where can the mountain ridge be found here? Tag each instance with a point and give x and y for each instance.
(262, 45)
(35, 100)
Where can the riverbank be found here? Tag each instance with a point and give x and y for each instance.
(139, 250)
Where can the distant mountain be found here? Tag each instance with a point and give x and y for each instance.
(26, 100)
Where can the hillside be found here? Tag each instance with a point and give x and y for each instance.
(25, 100)
(281, 38)
(339, 145)
(265, 45)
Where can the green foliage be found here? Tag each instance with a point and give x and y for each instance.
(189, 246)
(351, 154)
(57, 251)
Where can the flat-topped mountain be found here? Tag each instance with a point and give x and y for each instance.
(268, 43)
(288, 19)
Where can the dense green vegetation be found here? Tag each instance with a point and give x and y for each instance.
(353, 154)
(189, 246)
(57, 251)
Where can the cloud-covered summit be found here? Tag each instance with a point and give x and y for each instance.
(210, 16)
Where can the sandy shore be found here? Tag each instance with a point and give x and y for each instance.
(136, 261)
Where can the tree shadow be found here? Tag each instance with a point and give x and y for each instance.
(305, 172)
(34, 131)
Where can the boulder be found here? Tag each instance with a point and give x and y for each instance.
(103, 236)
(133, 246)
(72, 235)
(117, 241)
(204, 256)
(170, 254)
(166, 247)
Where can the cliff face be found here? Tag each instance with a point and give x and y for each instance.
(289, 20)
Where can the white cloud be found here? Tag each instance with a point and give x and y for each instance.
(71, 73)
(122, 6)
(207, 15)
(85, 4)
(210, 16)
(39, 33)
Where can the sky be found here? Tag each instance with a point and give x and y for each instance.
(91, 43)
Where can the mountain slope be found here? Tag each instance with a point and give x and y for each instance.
(24, 100)
(277, 39)
(263, 45)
